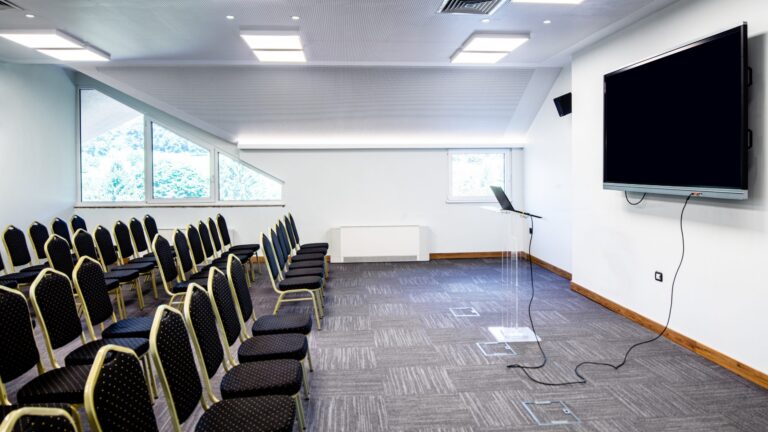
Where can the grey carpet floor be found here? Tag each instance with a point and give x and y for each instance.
(392, 357)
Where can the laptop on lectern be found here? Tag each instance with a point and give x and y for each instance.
(501, 197)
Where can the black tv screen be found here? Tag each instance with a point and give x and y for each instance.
(677, 123)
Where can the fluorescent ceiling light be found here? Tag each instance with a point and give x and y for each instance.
(265, 40)
(277, 56)
(464, 57)
(41, 39)
(480, 42)
(85, 54)
(549, 1)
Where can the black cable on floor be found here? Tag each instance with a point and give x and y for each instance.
(626, 197)
(581, 379)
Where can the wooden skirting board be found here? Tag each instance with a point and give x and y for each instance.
(541, 263)
(684, 341)
(497, 254)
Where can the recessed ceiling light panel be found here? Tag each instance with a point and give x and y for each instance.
(464, 57)
(278, 56)
(480, 42)
(87, 54)
(272, 40)
(549, 1)
(41, 39)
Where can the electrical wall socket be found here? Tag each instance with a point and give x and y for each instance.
(659, 276)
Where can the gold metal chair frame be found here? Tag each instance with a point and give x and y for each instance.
(166, 283)
(9, 422)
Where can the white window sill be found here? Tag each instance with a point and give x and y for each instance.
(183, 205)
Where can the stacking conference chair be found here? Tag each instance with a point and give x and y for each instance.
(90, 287)
(244, 255)
(169, 272)
(296, 236)
(13, 280)
(55, 308)
(299, 265)
(139, 238)
(298, 257)
(128, 256)
(257, 348)
(59, 385)
(18, 252)
(213, 255)
(77, 222)
(116, 396)
(39, 419)
(38, 235)
(295, 245)
(188, 269)
(61, 229)
(263, 325)
(299, 288)
(199, 256)
(175, 364)
(111, 261)
(150, 227)
(226, 240)
(263, 378)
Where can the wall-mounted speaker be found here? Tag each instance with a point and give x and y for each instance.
(563, 104)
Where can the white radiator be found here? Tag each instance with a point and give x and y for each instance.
(381, 243)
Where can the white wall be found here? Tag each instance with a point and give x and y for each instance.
(325, 189)
(721, 293)
(548, 178)
(37, 143)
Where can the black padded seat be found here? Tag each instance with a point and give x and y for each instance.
(144, 259)
(8, 282)
(274, 414)
(273, 377)
(302, 282)
(112, 283)
(314, 245)
(62, 385)
(305, 264)
(86, 354)
(122, 275)
(245, 247)
(181, 287)
(307, 251)
(282, 324)
(308, 257)
(129, 328)
(35, 268)
(301, 272)
(273, 347)
(141, 266)
(22, 277)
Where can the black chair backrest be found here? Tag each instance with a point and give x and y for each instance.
(196, 244)
(238, 281)
(282, 254)
(182, 251)
(105, 245)
(84, 244)
(120, 398)
(151, 227)
(55, 307)
(92, 290)
(60, 228)
(199, 313)
(172, 349)
(291, 235)
(59, 255)
(19, 353)
(77, 223)
(123, 238)
(16, 245)
(38, 419)
(139, 238)
(214, 230)
(295, 231)
(223, 230)
(283, 237)
(165, 260)
(205, 237)
(39, 234)
(218, 284)
(270, 254)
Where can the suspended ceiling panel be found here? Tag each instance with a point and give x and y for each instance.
(290, 105)
(335, 32)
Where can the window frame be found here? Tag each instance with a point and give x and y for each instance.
(452, 199)
(149, 199)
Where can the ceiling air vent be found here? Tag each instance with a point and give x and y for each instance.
(5, 4)
(476, 7)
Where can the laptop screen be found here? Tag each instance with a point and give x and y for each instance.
(501, 197)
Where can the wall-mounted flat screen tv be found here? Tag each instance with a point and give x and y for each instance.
(677, 123)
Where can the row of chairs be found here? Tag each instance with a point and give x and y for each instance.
(257, 388)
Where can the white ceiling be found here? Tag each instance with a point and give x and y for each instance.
(335, 32)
